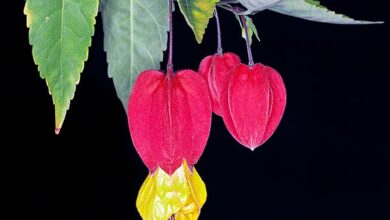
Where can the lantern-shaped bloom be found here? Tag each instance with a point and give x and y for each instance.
(181, 195)
(215, 70)
(169, 118)
(253, 102)
(169, 121)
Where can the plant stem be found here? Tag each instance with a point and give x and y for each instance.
(248, 46)
(219, 49)
(170, 49)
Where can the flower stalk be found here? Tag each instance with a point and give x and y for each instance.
(248, 46)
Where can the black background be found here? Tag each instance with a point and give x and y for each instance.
(328, 159)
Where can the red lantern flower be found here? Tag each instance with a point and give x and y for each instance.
(215, 70)
(169, 118)
(253, 102)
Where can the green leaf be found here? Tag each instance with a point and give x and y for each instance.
(254, 6)
(313, 11)
(197, 14)
(135, 36)
(60, 33)
(251, 28)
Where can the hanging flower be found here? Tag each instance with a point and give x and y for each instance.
(253, 102)
(169, 121)
(215, 70)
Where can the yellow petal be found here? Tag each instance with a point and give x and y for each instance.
(182, 194)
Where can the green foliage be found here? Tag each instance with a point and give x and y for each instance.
(254, 6)
(313, 11)
(135, 36)
(60, 33)
(197, 14)
(251, 28)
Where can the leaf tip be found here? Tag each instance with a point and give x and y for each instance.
(60, 117)
(375, 22)
(57, 131)
(199, 39)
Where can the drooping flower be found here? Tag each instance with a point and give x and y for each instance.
(253, 102)
(181, 195)
(215, 70)
(169, 118)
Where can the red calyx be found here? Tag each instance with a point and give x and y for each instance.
(215, 70)
(253, 102)
(169, 118)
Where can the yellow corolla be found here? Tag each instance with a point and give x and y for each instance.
(181, 195)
